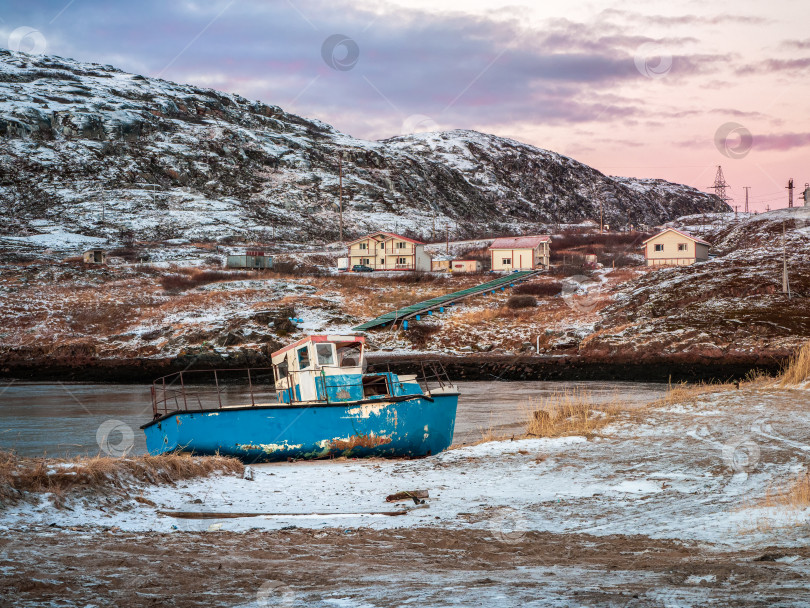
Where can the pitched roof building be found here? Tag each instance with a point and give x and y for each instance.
(673, 247)
(520, 252)
(388, 251)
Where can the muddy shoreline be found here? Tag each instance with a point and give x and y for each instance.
(677, 367)
(426, 566)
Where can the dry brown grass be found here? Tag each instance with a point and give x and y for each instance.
(196, 277)
(682, 392)
(798, 494)
(568, 412)
(20, 476)
(794, 495)
(798, 368)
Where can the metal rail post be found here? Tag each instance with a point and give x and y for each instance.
(219, 395)
(250, 386)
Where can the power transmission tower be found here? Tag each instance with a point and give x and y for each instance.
(720, 186)
(790, 192)
(747, 188)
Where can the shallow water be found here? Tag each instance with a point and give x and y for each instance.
(63, 419)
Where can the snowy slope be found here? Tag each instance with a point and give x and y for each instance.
(89, 150)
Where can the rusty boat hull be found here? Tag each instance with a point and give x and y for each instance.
(395, 426)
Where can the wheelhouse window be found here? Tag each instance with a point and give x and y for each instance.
(282, 370)
(659, 247)
(303, 358)
(349, 354)
(326, 354)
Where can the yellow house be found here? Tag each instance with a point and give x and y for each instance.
(520, 253)
(388, 251)
(466, 266)
(675, 248)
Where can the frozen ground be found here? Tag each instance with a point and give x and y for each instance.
(670, 506)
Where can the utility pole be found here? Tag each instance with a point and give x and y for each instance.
(447, 236)
(747, 188)
(790, 192)
(433, 230)
(735, 211)
(601, 214)
(340, 194)
(785, 281)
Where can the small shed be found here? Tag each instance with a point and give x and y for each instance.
(441, 263)
(466, 266)
(251, 259)
(94, 256)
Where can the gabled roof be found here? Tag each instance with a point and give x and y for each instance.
(519, 242)
(319, 338)
(689, 236)
(387, 235)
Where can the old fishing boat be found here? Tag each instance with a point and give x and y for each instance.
(317, 401)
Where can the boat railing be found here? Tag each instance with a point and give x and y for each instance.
(205, 389)
(210, 389)
(431, 375)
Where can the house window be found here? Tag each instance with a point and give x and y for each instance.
(365, 261)
(363, 245)
(506, 261)
(402, 260)
(659, 247)
(401, 245)
(683, 247)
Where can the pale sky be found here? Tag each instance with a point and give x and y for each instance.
(655, 89)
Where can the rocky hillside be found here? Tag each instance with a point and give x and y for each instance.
(729, 308)
(88, 150)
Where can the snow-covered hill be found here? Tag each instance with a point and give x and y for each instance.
(89, 150)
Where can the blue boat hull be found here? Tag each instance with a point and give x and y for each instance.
(411, 427)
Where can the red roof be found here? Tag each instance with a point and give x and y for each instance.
(317, 338)
(388, 235)
(687, 235)
(519, 242)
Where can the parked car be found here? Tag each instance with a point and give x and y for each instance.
(362, 268)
